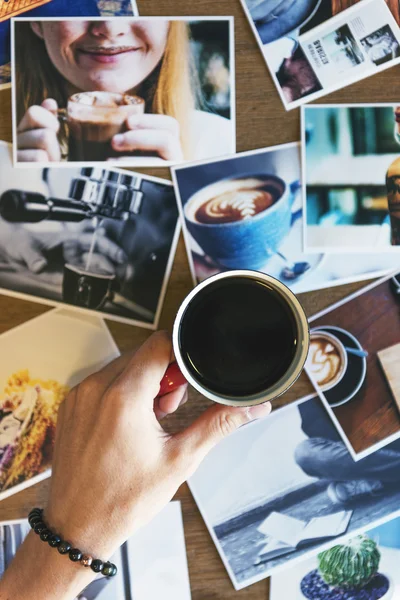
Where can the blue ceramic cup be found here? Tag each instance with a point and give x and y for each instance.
(247, 243)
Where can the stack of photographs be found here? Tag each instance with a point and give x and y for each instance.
(314, 215)
(336, 472)
(88, 238)
(95, 89)
(314, 47)
(227, 225)
(288, 489)
(74, 230)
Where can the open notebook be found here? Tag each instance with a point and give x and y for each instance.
(286, 534)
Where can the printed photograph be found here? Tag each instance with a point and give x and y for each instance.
(98, 240)
(353, 365)
(288, 489)
(133, 91)
(351, 171)
(156, 557)
(343, 49)
(42, 360)
(313, 47)
(152, 564)
(381, 46)
(366, 566)
(52, 8)
(246, 213)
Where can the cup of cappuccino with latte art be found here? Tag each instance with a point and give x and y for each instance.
(93, 118)
(327, 359)
(240, 222)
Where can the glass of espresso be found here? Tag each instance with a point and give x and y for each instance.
(93, 119)
(241, 338)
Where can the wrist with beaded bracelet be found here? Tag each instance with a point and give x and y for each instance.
(35, 519)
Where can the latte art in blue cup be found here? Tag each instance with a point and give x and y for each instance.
(240, 223)
(239, 204)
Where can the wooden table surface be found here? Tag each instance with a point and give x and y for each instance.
(339, 5)
(261, 121)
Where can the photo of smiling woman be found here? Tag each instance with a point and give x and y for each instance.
(144, 92)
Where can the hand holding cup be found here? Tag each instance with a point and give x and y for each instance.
(37, 134)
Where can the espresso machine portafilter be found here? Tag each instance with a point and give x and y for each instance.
(93, 193)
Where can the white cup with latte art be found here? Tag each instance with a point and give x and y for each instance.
(327, 359)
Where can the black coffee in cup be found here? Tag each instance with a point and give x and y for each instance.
(238, 337)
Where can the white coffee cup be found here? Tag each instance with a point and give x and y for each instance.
(327, 361)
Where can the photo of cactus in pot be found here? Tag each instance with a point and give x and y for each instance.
(348, 571)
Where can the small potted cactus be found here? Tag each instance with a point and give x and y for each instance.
(348, 571)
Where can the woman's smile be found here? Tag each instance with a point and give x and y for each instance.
(106, 54)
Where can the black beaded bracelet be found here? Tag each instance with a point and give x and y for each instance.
(35, 519)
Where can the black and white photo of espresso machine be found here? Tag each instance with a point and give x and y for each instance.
(118, 228)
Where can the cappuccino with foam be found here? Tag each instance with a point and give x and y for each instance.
(93, 120)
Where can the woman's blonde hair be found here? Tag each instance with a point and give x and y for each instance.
(171, 89)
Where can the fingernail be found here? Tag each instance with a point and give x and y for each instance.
(260, 410)
(118, 139)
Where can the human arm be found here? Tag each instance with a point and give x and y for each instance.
(114, 468)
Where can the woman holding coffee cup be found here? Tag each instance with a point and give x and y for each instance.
(141, 64)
